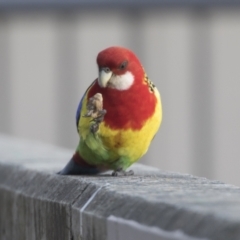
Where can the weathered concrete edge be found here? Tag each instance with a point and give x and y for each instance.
(81, 208)
(175, 223)
(76, 203)
(38, 204)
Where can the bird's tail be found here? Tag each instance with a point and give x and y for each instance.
(77, 166)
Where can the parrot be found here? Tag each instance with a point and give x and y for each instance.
(117, 117)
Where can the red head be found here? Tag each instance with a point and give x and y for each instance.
(119, 68)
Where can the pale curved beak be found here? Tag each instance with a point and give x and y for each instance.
(104, 76)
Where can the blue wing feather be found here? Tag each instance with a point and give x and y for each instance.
(79, 109)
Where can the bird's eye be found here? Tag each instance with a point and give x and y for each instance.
(123, 65)
(107, 70)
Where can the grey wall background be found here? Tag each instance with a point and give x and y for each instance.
(192, 54)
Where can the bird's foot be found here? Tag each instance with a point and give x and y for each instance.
(95, 111)
(95, 126)
(120, 172)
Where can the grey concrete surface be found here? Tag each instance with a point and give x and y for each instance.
(36, 203)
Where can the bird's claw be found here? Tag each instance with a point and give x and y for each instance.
(120, 172)
(95, 126)
(95, 111)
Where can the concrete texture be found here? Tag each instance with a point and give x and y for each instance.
(35, 203)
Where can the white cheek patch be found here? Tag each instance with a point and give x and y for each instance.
(122, 82)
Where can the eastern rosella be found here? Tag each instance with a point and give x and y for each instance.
(117, 117)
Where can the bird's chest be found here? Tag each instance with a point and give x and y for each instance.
(126, 112)
(126, 109)
(119, 140)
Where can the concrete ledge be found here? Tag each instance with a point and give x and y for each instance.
(35, 203)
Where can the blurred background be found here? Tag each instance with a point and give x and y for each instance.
(191, 51)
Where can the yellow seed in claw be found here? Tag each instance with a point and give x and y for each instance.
(94, 106)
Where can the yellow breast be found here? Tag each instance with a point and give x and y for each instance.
(133, 143)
